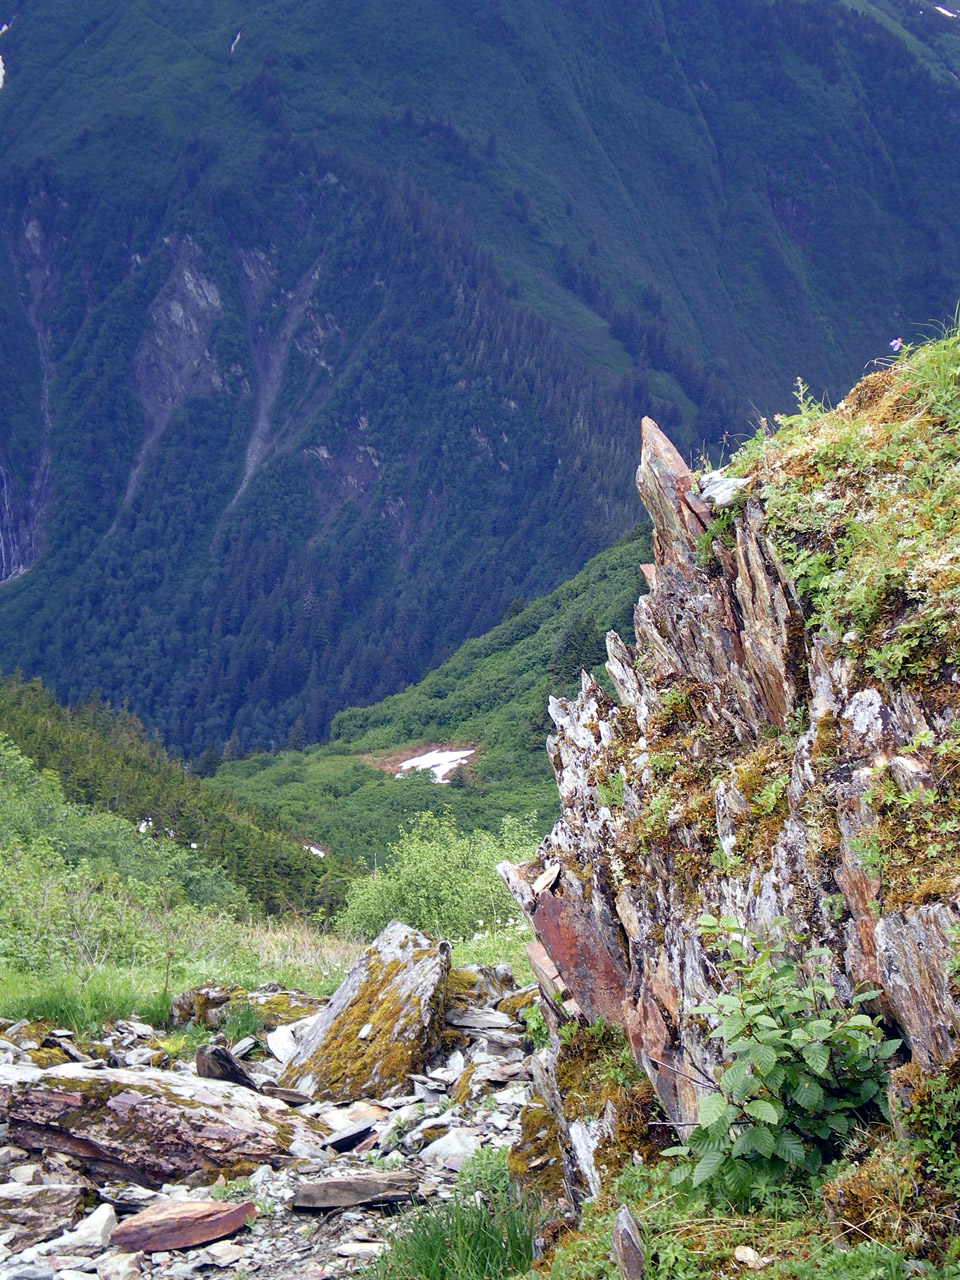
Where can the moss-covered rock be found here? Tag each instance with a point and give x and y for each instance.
(47, 1057)
(535, 1160)
(382, 1024)
(589, 1116)
(516, 1004)
(212, 1005)
(891, 1198)
(148, 1126)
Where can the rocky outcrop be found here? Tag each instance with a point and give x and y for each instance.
(87, 1131)
(382, 1024)
(738, 775)
(150, 1126)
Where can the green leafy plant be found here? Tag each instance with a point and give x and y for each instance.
(440, 879)
(611, 791)
(934, 1130)
(721, 529)
(536, 1026)
(800, 1071)
(768, 797)
(486, 1172)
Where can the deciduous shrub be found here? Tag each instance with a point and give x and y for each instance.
(440, 880)
(800, 1073)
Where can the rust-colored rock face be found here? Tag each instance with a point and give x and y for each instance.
(181, 1225)
(738, 775)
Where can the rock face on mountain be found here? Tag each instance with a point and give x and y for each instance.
(749, 770)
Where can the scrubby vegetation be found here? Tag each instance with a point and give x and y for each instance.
(105, 760)
(98, 918)
(802, 1072)
(440, 880)
(863, 501)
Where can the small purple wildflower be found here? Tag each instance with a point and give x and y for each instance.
(896, 344)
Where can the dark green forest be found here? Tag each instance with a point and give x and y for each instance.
(326, 329)
(491, 694)
(106, 761)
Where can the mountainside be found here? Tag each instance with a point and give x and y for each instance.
(281, 425)
(491, 695)
(102, 765)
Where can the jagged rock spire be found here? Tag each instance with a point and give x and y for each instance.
(668, 491)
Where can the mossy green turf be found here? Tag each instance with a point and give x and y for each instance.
(491, 694)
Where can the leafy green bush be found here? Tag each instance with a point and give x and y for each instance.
(802, 1072)
(35, 813)
(486, 1172)
(440, 879)
(80, 890)
(55, 918)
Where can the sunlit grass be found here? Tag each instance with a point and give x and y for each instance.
(291, 953)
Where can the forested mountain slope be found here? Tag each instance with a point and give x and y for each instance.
(102, 762)
(491, 695)
(281, 424)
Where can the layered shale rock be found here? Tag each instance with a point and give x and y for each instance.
(78, 1133)
(382, 1024)
(148, 1126)
(756, 766)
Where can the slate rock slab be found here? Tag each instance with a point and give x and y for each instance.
(29, 1214)
(628, 1245)
(149, 1126)
(381, 1025)
(216, 1062)
(181, 1224)
(362, 1189)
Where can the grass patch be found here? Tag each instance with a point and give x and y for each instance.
(500, 946)
(460, 1240)
(293, 954)
(84, 1005)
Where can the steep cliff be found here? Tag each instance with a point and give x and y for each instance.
(786, 741)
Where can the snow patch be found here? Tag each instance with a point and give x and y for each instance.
(236, 41)
(947, 13)
(2, 69)
(440, 763)
(315, 850)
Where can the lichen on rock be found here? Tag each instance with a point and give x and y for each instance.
(381, 1025)
(149, 1126)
